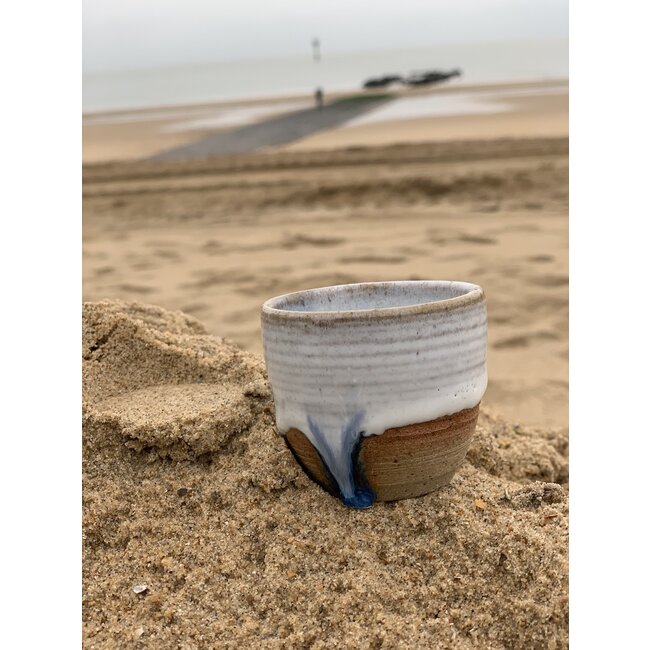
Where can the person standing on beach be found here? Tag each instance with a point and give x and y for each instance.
(318, 93)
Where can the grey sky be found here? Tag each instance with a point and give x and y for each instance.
(122, 34)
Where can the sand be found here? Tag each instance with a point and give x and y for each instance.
(131, 134)
(277, 132)
(193, 501)
(216, 238)
(540, 116)
(529, 109)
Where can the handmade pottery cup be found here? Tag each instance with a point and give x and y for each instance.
(377, 385)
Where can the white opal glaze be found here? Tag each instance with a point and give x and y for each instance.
(359, 359)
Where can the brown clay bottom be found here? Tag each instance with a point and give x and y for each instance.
(403, 462)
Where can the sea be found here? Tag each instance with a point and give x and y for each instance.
(480, 63)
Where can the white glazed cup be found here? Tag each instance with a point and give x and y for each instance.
(377, 385)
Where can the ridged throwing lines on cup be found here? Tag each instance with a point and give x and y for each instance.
(349, 362)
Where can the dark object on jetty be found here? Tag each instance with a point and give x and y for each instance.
(430, 77)
(415, 79)
(318, 96)
(382, 82)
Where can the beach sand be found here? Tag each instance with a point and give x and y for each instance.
(201, 531)
(541, 116)
(520, 109)
(216, 238)
(131, 134)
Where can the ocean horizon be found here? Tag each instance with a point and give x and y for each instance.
(507, 61)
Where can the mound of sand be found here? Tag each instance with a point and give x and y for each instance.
(191, 495)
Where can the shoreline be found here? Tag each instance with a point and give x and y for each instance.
(474, 111)
(522, 116)
(460, 87)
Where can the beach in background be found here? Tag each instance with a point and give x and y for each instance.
(217, 237)
(507, 89)
(450, 112)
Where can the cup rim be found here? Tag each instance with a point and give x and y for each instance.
(474, 294)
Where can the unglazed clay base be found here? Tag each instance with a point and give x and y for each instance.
(402, 463)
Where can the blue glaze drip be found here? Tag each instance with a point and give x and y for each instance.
(353, 490)
(363, 497)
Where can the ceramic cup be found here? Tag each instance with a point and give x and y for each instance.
(377, 385)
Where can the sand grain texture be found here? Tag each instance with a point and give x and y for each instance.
(189, 491)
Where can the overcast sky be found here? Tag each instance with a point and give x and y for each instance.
(123, 34)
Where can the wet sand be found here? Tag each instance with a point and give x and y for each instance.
(520, 109)
(276, 131)
(541, 116)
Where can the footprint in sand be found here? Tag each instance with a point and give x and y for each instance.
(372, 259)
(476, 239)
(135, 288)
(138, 262)
(104, 270)
(296, 241)
(524, 340)
(441, 238)
(212, 247)
(542, 259)
(550, 280)
(167, 254)
(207, 278)
(488, 208)
(410, 251)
